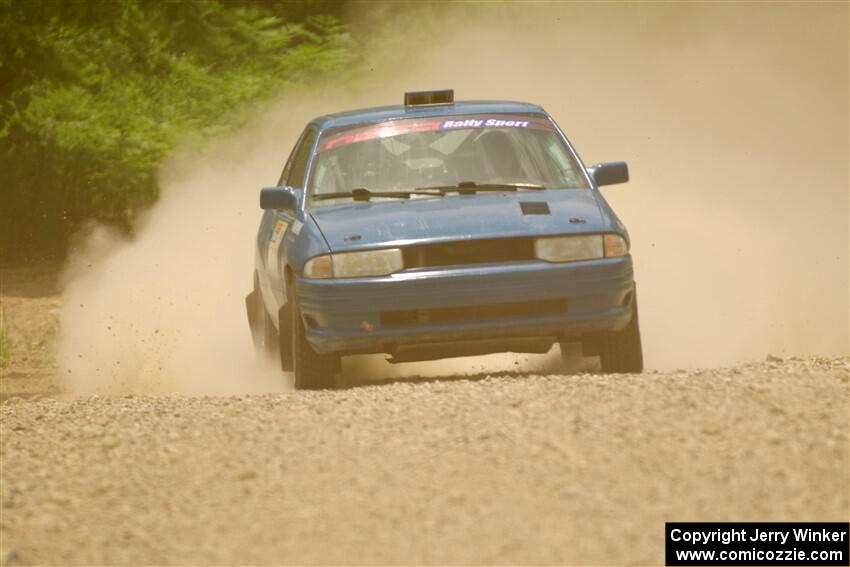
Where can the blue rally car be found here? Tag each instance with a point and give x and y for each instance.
(439, 229)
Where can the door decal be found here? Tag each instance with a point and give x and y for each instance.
(274, 245)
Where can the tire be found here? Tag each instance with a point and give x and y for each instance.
(621, 351)
(311, 370)
(263, 330)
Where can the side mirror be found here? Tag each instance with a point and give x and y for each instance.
(278, 198)
(609, 173)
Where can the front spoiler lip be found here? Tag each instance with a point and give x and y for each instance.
(387, 340)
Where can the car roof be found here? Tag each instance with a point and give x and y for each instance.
(385, 113)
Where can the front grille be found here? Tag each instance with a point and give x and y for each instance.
(474, 312)
(487, 251)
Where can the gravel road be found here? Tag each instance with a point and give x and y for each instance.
(511, 468)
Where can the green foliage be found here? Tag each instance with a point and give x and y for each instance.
(94, 94)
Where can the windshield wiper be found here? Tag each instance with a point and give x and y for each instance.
(363, 194)
(471, 187)
(464, 188)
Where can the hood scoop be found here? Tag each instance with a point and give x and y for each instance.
(534, 208)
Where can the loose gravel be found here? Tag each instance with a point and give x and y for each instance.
(511, 468)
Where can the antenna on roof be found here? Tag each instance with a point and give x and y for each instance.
(426, 98)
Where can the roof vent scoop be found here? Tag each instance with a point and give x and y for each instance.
(428, 98)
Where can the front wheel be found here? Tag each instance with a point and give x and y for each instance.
(621, 351)
(312, 371)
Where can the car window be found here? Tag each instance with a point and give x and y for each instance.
(444, 151)
(295, 177)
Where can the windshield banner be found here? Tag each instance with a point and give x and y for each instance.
(444, 123)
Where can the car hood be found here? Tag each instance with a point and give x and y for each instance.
(358, 225)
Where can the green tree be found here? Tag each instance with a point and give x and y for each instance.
(95, 94)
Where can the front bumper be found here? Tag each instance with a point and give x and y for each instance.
(344, 315)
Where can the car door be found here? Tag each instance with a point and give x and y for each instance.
(277, 224)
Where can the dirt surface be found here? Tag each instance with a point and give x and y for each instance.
(514, 468)
(30, 302)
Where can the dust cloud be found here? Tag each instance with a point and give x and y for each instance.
(164, 313)
(733, 118)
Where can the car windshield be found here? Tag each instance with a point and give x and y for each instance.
(488, 151)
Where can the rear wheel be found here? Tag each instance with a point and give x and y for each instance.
(621, 351)
(312, 371)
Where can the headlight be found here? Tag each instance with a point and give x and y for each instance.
(581, 247)
(368, 263)
(569, 248)
(355, 264)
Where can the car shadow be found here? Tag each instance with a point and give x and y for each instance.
(373, 371)
(346, 382)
